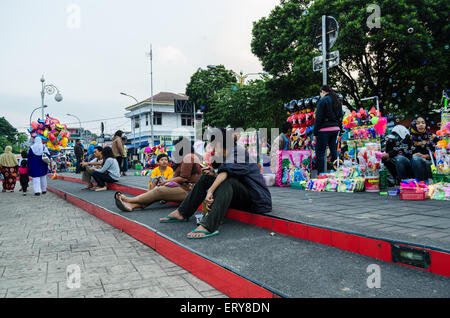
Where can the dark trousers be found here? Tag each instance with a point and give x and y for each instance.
(230, 194)
(102, 178)
(78, 165)
(324, 139)
(421, 168)
(403, 167)
(119, 161)
(24, 180)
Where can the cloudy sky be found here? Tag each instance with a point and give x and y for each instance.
(94, 49)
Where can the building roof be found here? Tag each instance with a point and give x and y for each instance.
(162, 98)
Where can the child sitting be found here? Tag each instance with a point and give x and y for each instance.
(160, 173)
(24, 178)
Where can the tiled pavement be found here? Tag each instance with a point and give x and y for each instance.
(41, 236)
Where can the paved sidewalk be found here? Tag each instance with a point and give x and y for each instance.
(41, 236)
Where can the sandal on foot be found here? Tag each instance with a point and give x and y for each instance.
(171, 219)
(207, 234)
(119, 203)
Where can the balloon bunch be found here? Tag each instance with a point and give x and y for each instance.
(52, 133)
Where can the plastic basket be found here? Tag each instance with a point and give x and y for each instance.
(412, 195)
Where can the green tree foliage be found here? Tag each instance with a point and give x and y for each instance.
(404, 62)
(9, 136)
(205, 83)
(252, 106)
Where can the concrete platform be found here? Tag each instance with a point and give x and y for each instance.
(284, 265)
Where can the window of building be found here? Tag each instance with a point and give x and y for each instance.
(186, 120)
(157, 119)
(147, 115)
(136, 122)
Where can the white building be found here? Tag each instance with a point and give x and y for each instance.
(173, 117)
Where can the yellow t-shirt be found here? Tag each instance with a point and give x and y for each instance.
(156, 173)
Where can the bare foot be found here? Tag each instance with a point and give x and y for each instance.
(175, 214)
(101, 189)
(199, 228)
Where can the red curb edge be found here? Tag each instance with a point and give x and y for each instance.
(380, 249)
(226, 281)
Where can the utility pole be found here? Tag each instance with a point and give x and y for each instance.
(151, 94)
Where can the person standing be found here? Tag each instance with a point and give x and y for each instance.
(37, 167)
(8, 168)
(125, 157)
(78, 149)
(117, 147)
(24, 177)
(327, 126)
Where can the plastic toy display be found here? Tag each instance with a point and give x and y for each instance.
(54, 135)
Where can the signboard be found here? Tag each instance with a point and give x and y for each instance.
(332, 31)
(332, 61)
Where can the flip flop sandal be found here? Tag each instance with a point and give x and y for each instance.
(203, 232)
(120, 204)
(173, 220)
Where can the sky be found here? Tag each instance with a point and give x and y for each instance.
(92, 50)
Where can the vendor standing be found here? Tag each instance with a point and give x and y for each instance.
(328, 124)
(38, 168)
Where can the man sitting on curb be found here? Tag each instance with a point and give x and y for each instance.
(236, 183)
(96, 162)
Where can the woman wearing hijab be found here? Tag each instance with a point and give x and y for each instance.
(37, 168)
(8, 168)
(423, 142)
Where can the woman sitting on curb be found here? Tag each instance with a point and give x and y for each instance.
(174, 189)
(236, 183)
(109, 172)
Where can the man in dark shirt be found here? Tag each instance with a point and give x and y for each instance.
(235, 182)
(78, 149)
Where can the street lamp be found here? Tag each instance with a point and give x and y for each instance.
(134, 126)
(241, 76)
(50, 90)
(79, 121)
(45, 106)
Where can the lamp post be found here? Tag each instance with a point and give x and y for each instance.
(50, 90)
(79, 121)
(45, 106)
(134, 126)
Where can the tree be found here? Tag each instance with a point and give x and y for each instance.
(252, 106)
(204, 84)
(405, 62)
(9, 136)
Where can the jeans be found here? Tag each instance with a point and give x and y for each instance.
(324, 139)
(403, 167)
(102, 178)
(421, 168)
(231, 193)
(124, 164)
(78, 165)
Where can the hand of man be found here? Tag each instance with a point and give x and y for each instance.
(209, 171)
(315, 139)
(209, 200)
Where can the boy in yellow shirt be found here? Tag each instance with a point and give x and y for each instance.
(160, 173)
